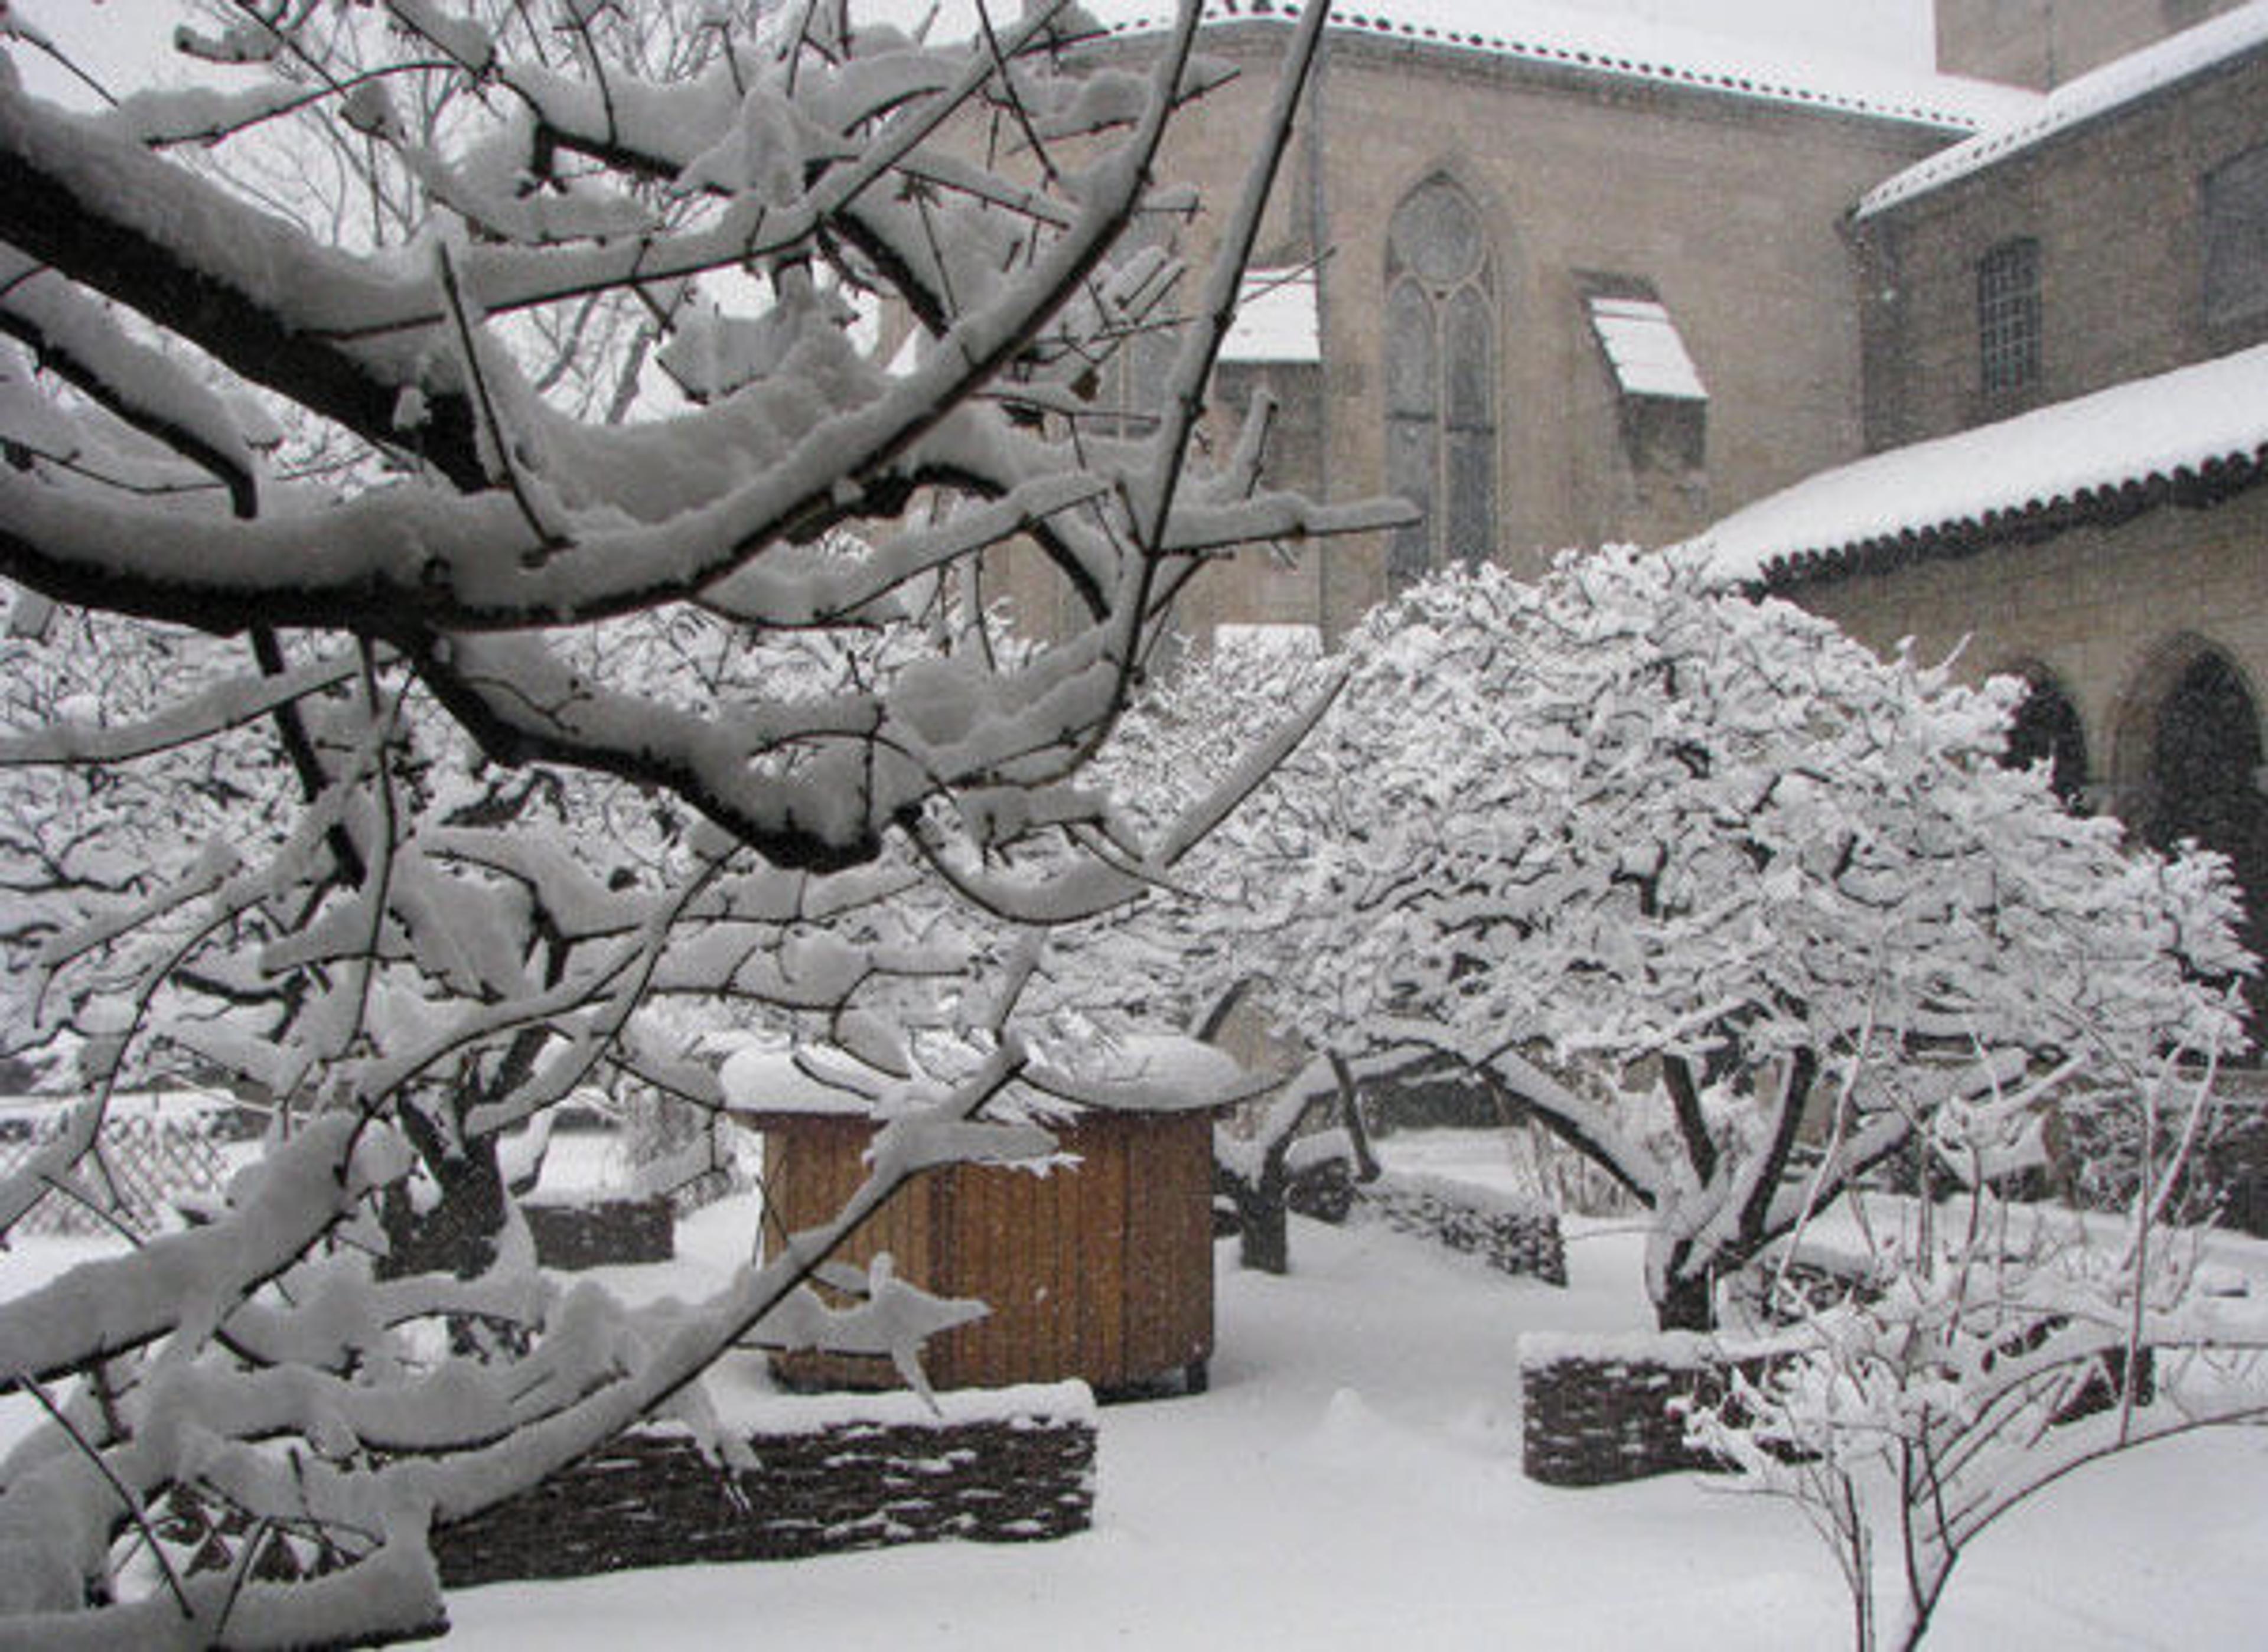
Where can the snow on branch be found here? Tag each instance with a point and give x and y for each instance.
(508, 623)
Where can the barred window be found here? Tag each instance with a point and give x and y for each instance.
(1440, 379)
(2236, 237)
(2009, 316)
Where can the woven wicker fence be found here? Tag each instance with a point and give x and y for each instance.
(1004, 1465)
(1511, 1233)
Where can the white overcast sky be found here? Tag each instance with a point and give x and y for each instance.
(113, 37)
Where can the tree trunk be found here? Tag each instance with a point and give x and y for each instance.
(458, 1233)
(1264, 1232)
(1265, 1242)
(1686, 1303)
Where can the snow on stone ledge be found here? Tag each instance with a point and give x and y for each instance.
(2121, 81)
(1069, 1402)
(1670, 1350)
(1678, 1350)
(1473, 1196)
(2173, 428)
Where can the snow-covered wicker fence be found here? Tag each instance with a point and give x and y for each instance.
(145, 1163)
(1599, 1411)
(1514, 1234)
(591, 1233)
(830, 1473)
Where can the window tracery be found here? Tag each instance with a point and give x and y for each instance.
(1440, 378)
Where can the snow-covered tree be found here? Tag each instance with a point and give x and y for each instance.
(531, 699)
(1985, 1353)
(1728, 904)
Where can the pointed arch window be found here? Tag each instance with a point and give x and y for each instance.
(1440, 379)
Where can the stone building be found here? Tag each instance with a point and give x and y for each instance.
(1984, 366)
(2042, 43)
(1562, 277)
(2066, 331)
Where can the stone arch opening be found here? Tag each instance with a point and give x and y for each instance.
(2192, 770)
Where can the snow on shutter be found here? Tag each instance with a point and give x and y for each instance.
(1643, 347)
(1275, 319)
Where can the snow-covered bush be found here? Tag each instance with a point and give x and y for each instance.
(1995, 1350)
(479, 696)
(1729, 904)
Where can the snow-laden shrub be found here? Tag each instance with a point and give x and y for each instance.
(1729, 904)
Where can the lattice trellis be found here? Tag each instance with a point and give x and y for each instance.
(141, 1167)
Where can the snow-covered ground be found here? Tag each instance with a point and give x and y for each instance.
(1352, 1480)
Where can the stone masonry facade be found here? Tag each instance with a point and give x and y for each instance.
(2116, 206)
(1726, 206)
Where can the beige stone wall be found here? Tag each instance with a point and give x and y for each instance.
(2116, 208)
(1731, 207)
(2042, 43)
(2104, 610)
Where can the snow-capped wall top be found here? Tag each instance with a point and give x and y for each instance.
(1270, 641)
(1631, 47)
(2200, 429)
(2106, 90)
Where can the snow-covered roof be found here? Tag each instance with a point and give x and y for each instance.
(1643, 345)
(1275, 319)
(2117, 83)
(1139, 1072)
(813, 1080)
(2195, 434)
(1626, 46)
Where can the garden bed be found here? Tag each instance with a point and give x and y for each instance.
(827, 1474)
(1511, 1233)
(1599, 1410)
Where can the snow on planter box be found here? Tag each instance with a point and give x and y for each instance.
(819, 1474)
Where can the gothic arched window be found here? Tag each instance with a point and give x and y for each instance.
(1440, 379)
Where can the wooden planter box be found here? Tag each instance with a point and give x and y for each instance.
(1101, 1271)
